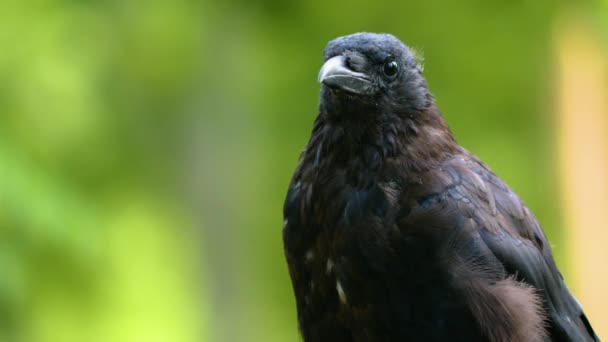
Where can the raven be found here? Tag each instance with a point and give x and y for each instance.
(394, 232)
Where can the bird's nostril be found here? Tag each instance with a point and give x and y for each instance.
(347, 62)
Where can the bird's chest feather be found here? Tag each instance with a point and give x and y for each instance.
(353, 266)
(341, 212)
(337, 235)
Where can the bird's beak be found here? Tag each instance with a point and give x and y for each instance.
(336, 75)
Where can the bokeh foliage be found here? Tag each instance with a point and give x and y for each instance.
(145, 149)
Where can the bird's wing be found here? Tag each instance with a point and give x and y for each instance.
(505, 230)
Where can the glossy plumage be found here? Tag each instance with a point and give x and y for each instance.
(393, 232)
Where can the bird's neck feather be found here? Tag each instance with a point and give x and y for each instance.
(416, 142)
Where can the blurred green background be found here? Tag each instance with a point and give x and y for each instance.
(146, 147)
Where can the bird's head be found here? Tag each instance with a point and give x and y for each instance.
(365, 70)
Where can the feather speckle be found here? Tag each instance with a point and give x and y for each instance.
(341, 293)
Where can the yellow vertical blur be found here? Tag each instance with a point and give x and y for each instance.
(152, 292)
(583, 162)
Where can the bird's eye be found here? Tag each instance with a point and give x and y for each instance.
(391, 68)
